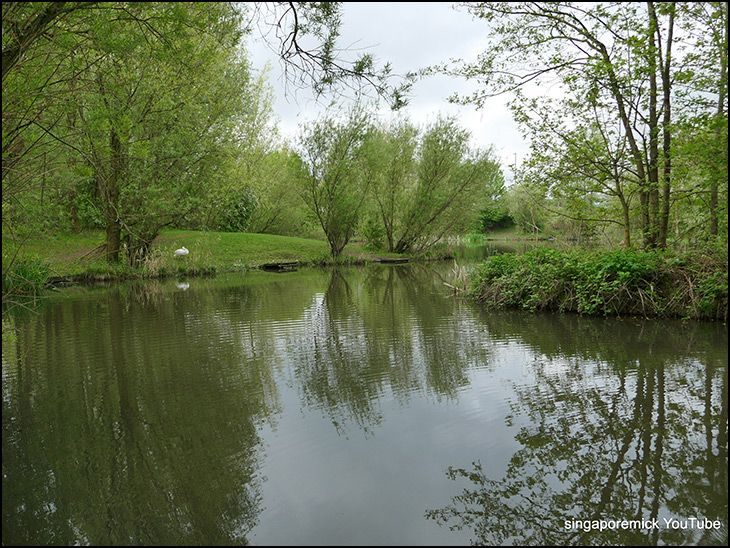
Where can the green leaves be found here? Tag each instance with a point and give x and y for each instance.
(331, 182)
(624, 282)
(617, 77)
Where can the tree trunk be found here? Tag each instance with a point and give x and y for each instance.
(636, 154)
(626, 214)
(110, 196)
(31, 31)
(113, 241)
(666, 128)
(714, 183)
(653, 160)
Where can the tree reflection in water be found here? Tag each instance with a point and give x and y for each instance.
(143, 416)
(112, 438)
(368, 337)
(605, 442)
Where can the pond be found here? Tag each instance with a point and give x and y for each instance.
(363, 405)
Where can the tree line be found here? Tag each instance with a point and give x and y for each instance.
(625, 107)
(135, 117)
(132, 118)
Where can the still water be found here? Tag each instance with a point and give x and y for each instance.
(355, 406)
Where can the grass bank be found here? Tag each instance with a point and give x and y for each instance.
(626, 282)
(79, 257)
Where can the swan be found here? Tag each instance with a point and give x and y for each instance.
(181, 252)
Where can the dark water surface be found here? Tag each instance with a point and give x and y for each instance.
(355, 406)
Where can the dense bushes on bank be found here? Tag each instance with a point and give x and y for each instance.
(625, 282)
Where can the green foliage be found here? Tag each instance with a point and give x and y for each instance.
(279, 206)
(628, 149)
(152, 123)
(331, 179)
(526, 206)
(427, 184)
(238, 214)
(494, 216)
(624, 282)
(374, 233)
(25, 276)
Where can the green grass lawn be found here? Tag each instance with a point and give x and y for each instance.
(234, 249)
(82, 254)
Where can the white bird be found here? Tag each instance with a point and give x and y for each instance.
(181, 252)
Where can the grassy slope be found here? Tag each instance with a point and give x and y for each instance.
(80, 254)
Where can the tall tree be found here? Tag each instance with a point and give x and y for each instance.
(332, 182)
(391, 158)
(160, 109)
(450, 177)
(582, 163)
(130, 89)
(618, 57)
(707, 23)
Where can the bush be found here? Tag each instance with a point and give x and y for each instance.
(493, 218)
(237, 215)
(374, 234)
(625, 282)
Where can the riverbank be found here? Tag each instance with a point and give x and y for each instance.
(691, 285)
(610, 283)
(79, 258)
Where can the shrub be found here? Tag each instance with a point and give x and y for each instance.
(625, 282)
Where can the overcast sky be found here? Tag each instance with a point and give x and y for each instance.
(411, 36)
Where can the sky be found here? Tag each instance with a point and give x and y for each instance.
(410, 36)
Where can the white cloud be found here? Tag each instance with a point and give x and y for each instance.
(411, 36)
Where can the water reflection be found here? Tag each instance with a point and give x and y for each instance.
(97, 447)
(382, 331)
(131, 414)
(631, 428)
(156, 414)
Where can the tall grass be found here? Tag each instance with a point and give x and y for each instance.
(24, 276)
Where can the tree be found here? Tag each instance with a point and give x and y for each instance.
(136, 108)
(391, 159)
(620, 59)
(25, 23)
(140, 106)
(36, 125)
(331, 180)
(707, 23)
(581, 165)
(448, 183)
(279, 207)
(162, 111)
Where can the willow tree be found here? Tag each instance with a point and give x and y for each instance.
(449, 181)
(331, 180)
(620, 58)
(390, 157)
(161, 110)
(132, 112)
